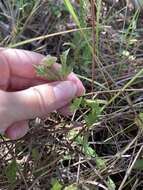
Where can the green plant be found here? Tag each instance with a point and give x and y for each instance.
(138, 165)
(90, 118)
(45, 68)
(11, 171)
(95, 109)
(71, 187)
(56, 185)
(81, 40)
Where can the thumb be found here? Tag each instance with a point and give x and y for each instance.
(40, 100)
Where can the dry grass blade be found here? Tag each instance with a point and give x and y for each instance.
(130, 168)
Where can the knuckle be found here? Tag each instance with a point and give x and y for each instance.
(5, 72)
(40, 100)
(5, 113)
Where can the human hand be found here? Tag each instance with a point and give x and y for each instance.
(23, 95)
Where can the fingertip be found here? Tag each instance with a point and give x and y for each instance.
(66, 111)
(75, 79)
(17, 130)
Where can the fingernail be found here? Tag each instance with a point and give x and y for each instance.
(81, 90)
(65, 91)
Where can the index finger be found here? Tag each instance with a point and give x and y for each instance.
(17, 71)
(20, 62)
(16, 68)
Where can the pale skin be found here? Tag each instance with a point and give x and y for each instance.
(24, 95)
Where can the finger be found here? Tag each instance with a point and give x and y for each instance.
(66, 111)
(80, 91)
(23, 83)
(17, 71)
(17, 130)
(20, 62)
(75, 79)
(17, 63)
(40, 100)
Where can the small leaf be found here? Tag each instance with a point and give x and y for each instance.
(71, 187)
(35, 154)
(64, 56)
(101, 163)
(139, 164)
(141, 116)
(91, 118)
(67, 156)
(79, 139)
(95, 102)
(88, 151)
(76, 104)
(56, 185)
(125, 53)
(11, 171)
(111, 184)
(139, 120)
(65, 70)
(49, 60)
(93, 115)
(40, 69)
(72, 133)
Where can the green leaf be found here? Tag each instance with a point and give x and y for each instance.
(67, 156)
(139, 164)
(91, 118)
(11, 171)
(71, 187)
(56, 185)
(65, 70)
(101, 163)
(35, 154)
(63, 57)
(76, 104)
(80, 140)
(139, 120)
(49, 61)
(93, 115)
(141, 116)
(111, 184)
(88, 151)
(95, 102)
(72, 133)
(72, 12)
(40, 69)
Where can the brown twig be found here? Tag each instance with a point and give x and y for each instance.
(93, 10)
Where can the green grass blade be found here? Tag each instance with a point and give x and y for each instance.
(72, 12)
